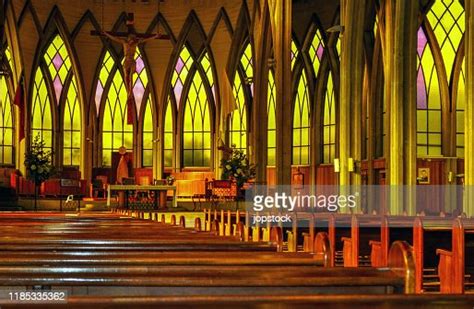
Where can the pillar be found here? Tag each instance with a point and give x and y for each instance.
(280, 20)
(468, 201)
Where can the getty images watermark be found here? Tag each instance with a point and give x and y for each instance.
(278, 204)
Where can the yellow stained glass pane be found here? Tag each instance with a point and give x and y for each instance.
(301, 120)
(196, 123)
(446, 18)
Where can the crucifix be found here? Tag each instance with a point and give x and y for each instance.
(130, 41)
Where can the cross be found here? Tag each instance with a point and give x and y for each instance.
(130, 40)
(130, 22)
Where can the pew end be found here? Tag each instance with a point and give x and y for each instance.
(322, 249)
(444, 270)
(402, 262)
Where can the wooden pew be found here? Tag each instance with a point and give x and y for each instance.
(365, 229)
(429, 234)
(456, 267)
(124, 254)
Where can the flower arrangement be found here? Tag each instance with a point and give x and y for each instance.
(170, 180)
(236, 166)
(38, 162)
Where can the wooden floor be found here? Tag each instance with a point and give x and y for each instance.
(107, 260)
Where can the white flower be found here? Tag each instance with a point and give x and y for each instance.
(33, 167)
(239, 171)
(228, 167)
(235, 174)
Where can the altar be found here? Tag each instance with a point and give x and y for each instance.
(141, 188)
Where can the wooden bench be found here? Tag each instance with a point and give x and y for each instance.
(112, 255)
(456, 265)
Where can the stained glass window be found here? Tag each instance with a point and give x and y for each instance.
(197, 125)
(339, 46)
(59, 64)
(247, 65)
(72, 127)
(294, 53)
(115, 130)
(206, 65)
(301, 126)
(181, 71)
(446, 18)
(105, 71)
(6, 124)
(271, 114)
(169, 136)
(329, 123)
(316, 51)
(140, 81)
(428, 100)
(41, 113)
(147, 138)
(460, 106)
(238, 119)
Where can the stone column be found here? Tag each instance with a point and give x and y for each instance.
(350, 105)
(261, 35)
(280, 19)
(468, 201)
(402, 79)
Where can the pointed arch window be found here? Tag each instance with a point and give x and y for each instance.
(238, 119)
(147, 135)
(271, 114)
(72, 127)
(66, 95)
(428, 100)
(41, 111)
(180, 75)
(329, 123)
(301, 125)
(445, 20)
(168, 136)
(197, 125)
(460, 106)
(6, 118)
(116, 132)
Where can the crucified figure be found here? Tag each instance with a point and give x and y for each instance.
(129, 45)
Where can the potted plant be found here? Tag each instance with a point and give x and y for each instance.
(38, 164)
(236, 166)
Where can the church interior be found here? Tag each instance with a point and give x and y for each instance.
(134, 135)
